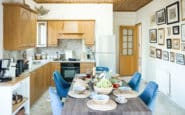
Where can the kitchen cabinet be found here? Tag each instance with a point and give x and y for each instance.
(54, 66)
(41, 34)
(88, 28)
(19, 26)
(52, 33)
(18, 86)
(86, 66)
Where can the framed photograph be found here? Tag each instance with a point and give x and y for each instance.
(153, 35)
(161, 17)
(169, 31)
(152, 20)
(165, 55)
(176, 44)
(179, 58)
(172, 11)
(183, 9)
(169, 43)
(183, 46)
(161, 36)
(158, 53)
(175, 30)
(172, 56)
(152, 51)
(183, 32)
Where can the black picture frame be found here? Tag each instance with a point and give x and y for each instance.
(172, 13)
(175, 30)
(161, 16)
(168, 43)
(153, 35)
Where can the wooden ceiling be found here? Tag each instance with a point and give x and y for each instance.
(118, 5)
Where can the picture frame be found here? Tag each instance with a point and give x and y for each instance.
(183, 32)
(161, 17)
(180, 59)
(175, 30)
(172, 57)
(161, 36)
(166, 55)
(158, 53)
(152, 20)
(176, 44)
(183, 46)
(183, 9)
(169, 43)
(169, 31)
(172, 11)
(153, 35)
(152, 51)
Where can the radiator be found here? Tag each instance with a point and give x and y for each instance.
(163, 78)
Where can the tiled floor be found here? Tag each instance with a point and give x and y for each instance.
(163, 106)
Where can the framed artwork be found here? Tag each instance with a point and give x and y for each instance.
(183, 32)
(176, 44)
(172, 11)
(175, 30)
(169, 31)
(172, 56)
(161, 36)
(165, 55)
(183, 9)
(152, 51)
(152, 20)
(158, 53)
(161, 17)
(179, 58)
(153, 35)
(183, 46)
(169, 43)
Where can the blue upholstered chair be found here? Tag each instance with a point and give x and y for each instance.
(61, 86)
(102, 69)
(56, 104)
(135, 81)
(64, 83)
(149, 94)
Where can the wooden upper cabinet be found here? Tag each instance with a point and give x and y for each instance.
(19, 27)
(52, 33)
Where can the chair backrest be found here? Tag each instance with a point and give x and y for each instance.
(56, 104)
(61, 91)
(61, 79)
(102, 68)
(149, 94)
(135, 81)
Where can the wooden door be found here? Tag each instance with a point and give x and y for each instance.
(32, 88)
(128, 50)
(52, 33)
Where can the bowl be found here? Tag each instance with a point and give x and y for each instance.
(107, 90)
(79, 89)
(101, 99)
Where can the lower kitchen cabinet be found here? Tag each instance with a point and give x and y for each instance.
(20, 88)
(86, 66)
(54, 66)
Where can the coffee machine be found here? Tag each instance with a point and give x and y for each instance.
(7, 70)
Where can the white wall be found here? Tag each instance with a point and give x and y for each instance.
(1, 29)
(102, 13)
(151, 65)
(122, 18)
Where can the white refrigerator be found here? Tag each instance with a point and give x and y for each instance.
(105, 52)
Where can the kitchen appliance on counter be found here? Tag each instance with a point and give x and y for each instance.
(68, 70)
(106, 52)
(68, 54)
(7, 70)
(21, 66)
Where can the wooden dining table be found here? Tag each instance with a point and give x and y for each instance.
(78, 106)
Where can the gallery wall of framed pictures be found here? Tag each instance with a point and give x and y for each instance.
(167, 33)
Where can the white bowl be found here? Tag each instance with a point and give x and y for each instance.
(79, 89)
(121, 99)
(103, 90)
(101, 99)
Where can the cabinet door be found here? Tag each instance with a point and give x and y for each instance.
(54, 66)
(88, 28)
(52, 33)
(32, 88)
(33, 28)
(84, 67)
